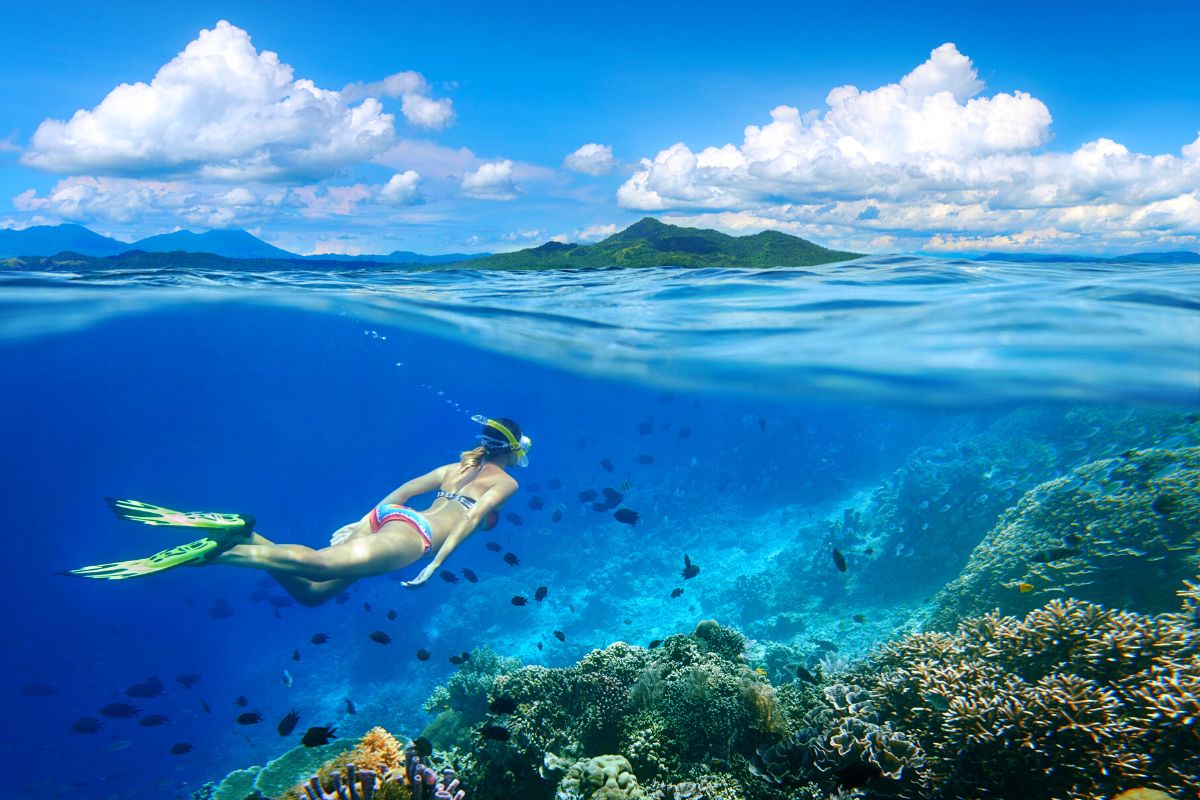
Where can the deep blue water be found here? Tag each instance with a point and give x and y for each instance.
(763, 399)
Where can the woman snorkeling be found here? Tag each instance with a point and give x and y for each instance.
(391, 536)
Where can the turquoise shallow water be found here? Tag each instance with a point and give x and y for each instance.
(894, 408)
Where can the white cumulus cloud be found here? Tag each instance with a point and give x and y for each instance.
(591, 159)
(491, 181)
(417, 106)
(220, 110)
(926, 161)
(594, 233)
(402, 189)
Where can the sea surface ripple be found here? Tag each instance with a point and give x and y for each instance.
(907, 329)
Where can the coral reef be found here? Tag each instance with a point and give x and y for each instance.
(600, 778)
(1121, 532)
(1073, 700)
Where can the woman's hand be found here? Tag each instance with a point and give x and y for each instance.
(422, 576)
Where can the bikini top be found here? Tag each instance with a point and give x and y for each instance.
(461, 499)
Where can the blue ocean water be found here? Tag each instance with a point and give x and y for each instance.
(744, 415)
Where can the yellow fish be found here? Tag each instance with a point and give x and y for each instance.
(1024, 588)
(760, 670)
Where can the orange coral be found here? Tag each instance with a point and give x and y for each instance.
(378, 748)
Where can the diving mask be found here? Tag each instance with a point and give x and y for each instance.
(510, 442)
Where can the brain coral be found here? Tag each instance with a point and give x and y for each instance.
(1122, 532)
(607, 777)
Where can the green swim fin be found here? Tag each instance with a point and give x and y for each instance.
(194, 553)
(149, 514)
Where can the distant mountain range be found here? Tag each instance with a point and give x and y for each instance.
(51, 240)
(645, 243)
(650, 243)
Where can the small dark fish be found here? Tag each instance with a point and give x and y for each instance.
(562, 637)
(502, 705)
(676, 593)
(423, 654)
(249, 718)
(587, 495)
(612, 497)
(606, 464)
(153, 720)
(689, 570)
(288, 723)
(456, 660)
(839, 560)
(646, 428)
(220, 609)
(380, 637)
(1165, 504)
(342, 598)
(87, 725)
(448, 576)
(541, 593)
(518, 600)
(151, 687)
(870, 551)
(511, 559)
(315, 737)
(392, 615)
(188, 680)
(367, 607)
(804, 675)
(497, 733)
(645, 458)
(423, 747)
(859, 618)
(627, 516)
(554, 483)
(180, 748)
(119, 711)
(319, 638)
(537, 503)
(539, 645)
(685, 433)
(241, 701)
(825, 644)
(655, 643)
(204, 705)
(37, 690)
(1051, 554)
(495, 547)
(295, 655)
(281, 602)
(762, 423)
(557, 515)
(351, 709)
(514, 518)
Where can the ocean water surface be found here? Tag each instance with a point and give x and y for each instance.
(893, 410)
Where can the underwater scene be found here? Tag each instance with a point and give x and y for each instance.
(897, 527)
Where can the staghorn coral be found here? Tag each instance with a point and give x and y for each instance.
(1120, 532)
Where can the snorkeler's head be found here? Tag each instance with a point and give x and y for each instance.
(500, 442)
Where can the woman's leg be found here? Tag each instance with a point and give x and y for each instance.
(303, 591)
(362, 557)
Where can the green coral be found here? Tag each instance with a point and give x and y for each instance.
(1122, 532)
(608, 777)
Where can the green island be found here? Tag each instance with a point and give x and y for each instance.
(647, 243)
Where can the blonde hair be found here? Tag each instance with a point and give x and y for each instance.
(469, 459)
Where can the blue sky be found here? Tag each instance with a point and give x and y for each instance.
(451, 127)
